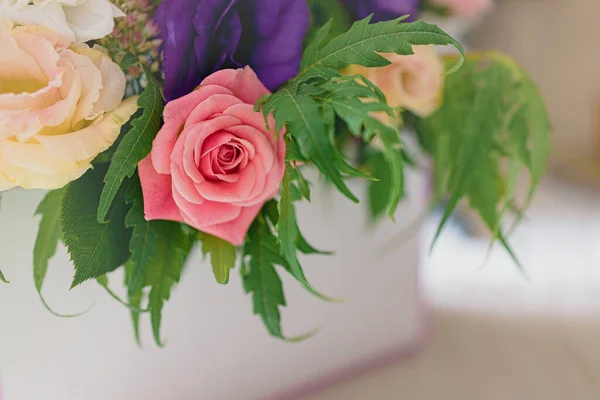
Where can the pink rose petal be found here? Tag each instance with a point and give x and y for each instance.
(244, 83)
(215, 157)
(158, 198)
(176, 113)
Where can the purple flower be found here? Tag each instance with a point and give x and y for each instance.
(204, 36)
(383, 10)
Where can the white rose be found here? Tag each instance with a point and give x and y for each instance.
(78, 20)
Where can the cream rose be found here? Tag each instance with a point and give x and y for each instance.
(413, 82)
(60, 106)
(78, 20)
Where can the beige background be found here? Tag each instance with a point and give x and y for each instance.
(554, 40)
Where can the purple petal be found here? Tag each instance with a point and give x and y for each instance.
(383, 10)
(203, 36)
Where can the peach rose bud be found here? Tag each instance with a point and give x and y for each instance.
(413, 82)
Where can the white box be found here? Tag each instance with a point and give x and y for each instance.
(216, 349)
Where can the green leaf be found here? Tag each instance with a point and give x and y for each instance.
(47, 240)
(379, 191)
(357, 102)
(306, 248)
(144, 238)
(158, 251)
(292, 151)
(95, 248)
(324, 11)
(222, 256)
(492, 116)
(3, 278)
(363, 42)
(271, 211)
(484, 120)
(127, 61)
(288, 232)
(260, 277)
(303, 117)
(135, 145)
(103, 281)
(392, 150)
(135, 300)
(48, 236)
(170, 254)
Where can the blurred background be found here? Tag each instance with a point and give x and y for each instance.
(498, 332)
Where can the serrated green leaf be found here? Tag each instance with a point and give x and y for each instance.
(303, 117)
(484, 121)
(357, 102)
(135, 300)
(95, 248)
(47, 239)
(492, 116)
(222, 256)
(261, 255)
(158, 252)
(392, 150)
(48, 235)
(301, 182)
(260, 277)
(379, 191)
(144, 238)
(288, 232)
(135, 144)
(170, 254)
(362, 43)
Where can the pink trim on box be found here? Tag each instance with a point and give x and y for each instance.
(369, 364)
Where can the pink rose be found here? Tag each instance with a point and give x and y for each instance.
(214, 163)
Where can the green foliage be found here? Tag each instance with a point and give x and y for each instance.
(135, 144)
(3, 278)
(95, 248)
(158, 253)
(222, 256)
(289, 233)
(144, 238)
(103, 281)
(492, 117)
(379, 191)
(305, 122)
(47, 238)
(310, 104)
(362, 43)
(260, 277)
(127, 61)
(324, 11)
(135, 299)
(165, 270)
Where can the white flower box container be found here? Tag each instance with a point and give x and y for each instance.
(216, 348)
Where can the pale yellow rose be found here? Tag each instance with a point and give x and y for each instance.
(60, 106)
(413, 82)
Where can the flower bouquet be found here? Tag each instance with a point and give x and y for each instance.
(161, 126)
